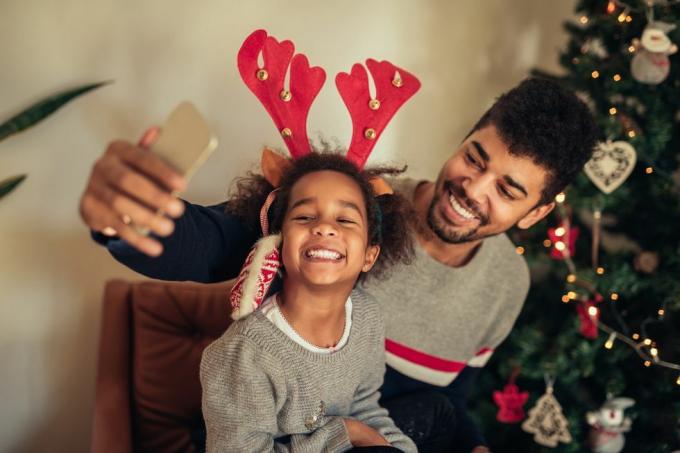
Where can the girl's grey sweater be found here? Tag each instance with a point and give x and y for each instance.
(259, 387)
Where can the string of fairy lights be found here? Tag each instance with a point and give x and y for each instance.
(644, 346)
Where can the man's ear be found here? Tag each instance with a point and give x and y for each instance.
(535, 215)
(372, 252)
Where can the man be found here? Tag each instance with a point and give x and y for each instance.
(447, 311)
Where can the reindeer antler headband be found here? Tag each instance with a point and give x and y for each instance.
(289, 108)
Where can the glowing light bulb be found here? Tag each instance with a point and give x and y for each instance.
(617, 77)
(631, 133)
(592, 311)
(560, 197)
(661, 312)
(654, 352)
(571, 295)
(614, 296)
(647, 341)
(600, 270)
(565, 299)
(648, 363)
(612, 111)
(559, 232)
(559, 245)
(547, 243)
(583, 19)
(636, 336)
(610, 341)
(519, 250)
(649, 170)
(571, 278)
(595, 74)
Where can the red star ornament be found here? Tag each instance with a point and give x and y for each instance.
(588, 326)
(568, 235)
(510, 404)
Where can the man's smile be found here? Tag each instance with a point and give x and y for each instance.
(463, 211)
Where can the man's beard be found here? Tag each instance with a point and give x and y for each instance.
(442, 229)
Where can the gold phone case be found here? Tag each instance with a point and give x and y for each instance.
(185, 140)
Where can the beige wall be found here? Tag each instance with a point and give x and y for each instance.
(161, 52)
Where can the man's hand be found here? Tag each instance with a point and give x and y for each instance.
(480, 449)
(130, 185)
(361, 435)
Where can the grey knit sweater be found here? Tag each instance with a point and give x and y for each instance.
(442, 319)
(260, 386)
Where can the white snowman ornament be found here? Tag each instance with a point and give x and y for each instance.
(651, 64)
(608, 425)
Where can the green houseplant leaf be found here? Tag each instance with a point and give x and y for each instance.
(42, 109)
(9, 184)
(32, 116)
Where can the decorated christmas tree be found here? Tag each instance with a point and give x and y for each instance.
(600, 330)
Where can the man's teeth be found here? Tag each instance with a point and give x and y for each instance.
(459, 209)
(323, 254)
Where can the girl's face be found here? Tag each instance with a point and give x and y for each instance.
(325, 231)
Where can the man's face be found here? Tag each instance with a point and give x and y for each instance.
(483, 190)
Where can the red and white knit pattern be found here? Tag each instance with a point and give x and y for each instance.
(429, 368)
(256, 277)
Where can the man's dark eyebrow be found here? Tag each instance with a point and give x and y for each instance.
(480, 149)
(516, 185)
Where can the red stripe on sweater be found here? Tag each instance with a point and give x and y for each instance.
(421, 358)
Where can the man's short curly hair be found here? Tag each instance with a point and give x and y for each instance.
(388, 215)
(547, 123)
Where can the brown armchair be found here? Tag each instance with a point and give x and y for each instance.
(148, 394)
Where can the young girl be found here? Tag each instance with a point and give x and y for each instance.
(302, 372)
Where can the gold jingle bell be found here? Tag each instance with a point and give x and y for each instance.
(262, 75)
(370, 133)
(286, 132)
(285, 95)
(396, 81)
(374, 104)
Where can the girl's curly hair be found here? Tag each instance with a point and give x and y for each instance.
(389, 224)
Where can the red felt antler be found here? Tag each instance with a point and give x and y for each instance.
(394, 86)
(288, 109)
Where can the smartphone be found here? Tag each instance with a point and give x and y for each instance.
(185, 140)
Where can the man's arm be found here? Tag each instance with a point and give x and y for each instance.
(128, 185)
(208, 245)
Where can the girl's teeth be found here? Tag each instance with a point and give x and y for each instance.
(323, 254)
(459, 209)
